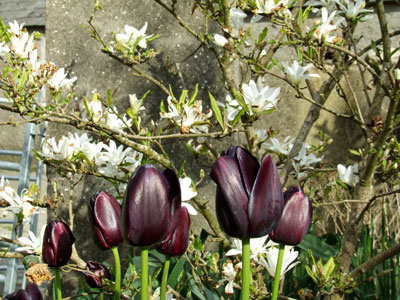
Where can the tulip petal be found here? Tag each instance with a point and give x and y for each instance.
(33, 291)
(105, 214)
(146, 211)
(295, 220)
(225, 217)
(266, 200)
(177, 239)
(174, 195)
(249, 167)
(57, 244)
(234, 203)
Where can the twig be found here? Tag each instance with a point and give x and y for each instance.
(338, 202)
(370, 201)
(373, 262)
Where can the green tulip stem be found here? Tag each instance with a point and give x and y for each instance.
(164, 279)
(57, 283)
(101, 296)
(246, 270)
(277, 279)
(145, 273)
(117, 264)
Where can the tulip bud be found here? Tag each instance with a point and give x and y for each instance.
(57, 244)
(104, 215)
(100, 271)
(249, 199)
(177, 240)
(295, 220)
(150, 199)
(31, 292)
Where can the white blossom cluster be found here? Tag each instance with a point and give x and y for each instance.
(18, 204)
(348, 175)
(190, 117)
(108, 159)
(21, 47)
(263, 254)
(297, 73)
(302, 162)
(259, 99)
(133, 37)
(109, 117)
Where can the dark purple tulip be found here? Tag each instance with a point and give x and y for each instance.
(31, 292)
(100, 271)
(57, 244)
(295, 220)
(177, 239)
(151, 199)
(104, 215)
(249, 198)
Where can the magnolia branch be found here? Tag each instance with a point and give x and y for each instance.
(373, 262)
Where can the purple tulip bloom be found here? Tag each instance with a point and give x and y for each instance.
(249, 199)
(57, 244)
(177, 240)
(104, 215)
(151, 200)
(295, 220)
(98, 271)
(31, 292)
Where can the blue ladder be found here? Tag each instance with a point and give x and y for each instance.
(14, 270)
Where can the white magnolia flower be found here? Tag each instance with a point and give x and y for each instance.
(22, 45)
(96, 110)
(172, 113)
(33, 62)
(61, 150)
(257, 248)
(303, 161)
(232, 107)
(237, 17)
(352, 9)
(110, 160)
(289, 256)
(329, 4)
(136, 104)
(132, 35)
(348, 175)
(261, 135)
(59, 80)
(17, 204)
(397, 74)
(193, 115)
(275, 146)
(220, 40)
(228, 277)
(15, 28)
(187, 193)
(326, 26)
(4, 49)
(258, 97)
(296, 73)
(269, 7)
(91, 149)
(156, 295)
(112, 120)
(33, 243)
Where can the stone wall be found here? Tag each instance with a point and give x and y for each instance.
(180, 65)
